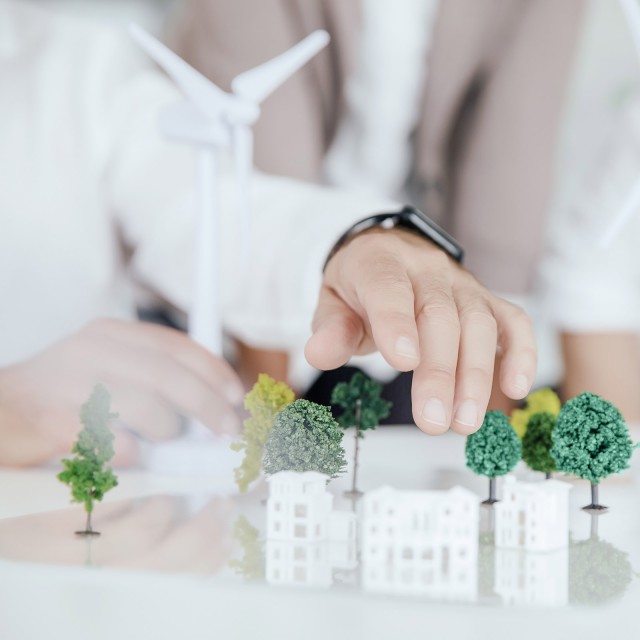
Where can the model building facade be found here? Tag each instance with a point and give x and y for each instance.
(533, 515)
(421, 542)
(307, 540)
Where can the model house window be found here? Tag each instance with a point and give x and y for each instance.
(300, 531)
(276, 526)
(300, 553)
(300, 511)
(277, 506)
(300, 574)
(407, 553)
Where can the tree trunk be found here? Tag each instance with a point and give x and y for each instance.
(595, 506)
(547, 476)
(492, 492)
(354, 485)
(355, 492)
(88, 531)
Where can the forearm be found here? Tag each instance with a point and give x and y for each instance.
(604, 363)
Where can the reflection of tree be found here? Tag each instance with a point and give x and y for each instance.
(598, 572)
(486, 565)
(252, 564)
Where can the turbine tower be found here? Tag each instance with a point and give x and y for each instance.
(211, 119)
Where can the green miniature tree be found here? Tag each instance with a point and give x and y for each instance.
(493, 450)
(540, 401)
(86, 473)
(263, 402)
(591, 441)
(537, 443)
(363, 408)
(305, 437)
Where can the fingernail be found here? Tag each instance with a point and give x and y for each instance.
(467, 414)
(434, 412)
(406, 348)
(521, 382)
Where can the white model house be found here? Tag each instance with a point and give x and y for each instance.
(300, 508)
(421, 542)
(533, 515)
(530, 578)
(306, 539)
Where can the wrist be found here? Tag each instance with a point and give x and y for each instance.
(408, 219)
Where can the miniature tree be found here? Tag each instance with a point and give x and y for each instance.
(591, 441)
(363, 408)
(86, 473)
(537, 443)
(493, 450)
(265, 400)
(540, 401)
(305, 437)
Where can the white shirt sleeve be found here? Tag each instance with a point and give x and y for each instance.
(586, 288)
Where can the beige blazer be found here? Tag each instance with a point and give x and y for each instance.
(485, 144)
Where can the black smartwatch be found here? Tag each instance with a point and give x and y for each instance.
(408, 218)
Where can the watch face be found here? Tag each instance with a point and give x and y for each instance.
(417, 220)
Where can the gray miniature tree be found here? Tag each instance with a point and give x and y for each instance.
(86, 472)
(363, 408)
(305, 437)
(493, 450)
(537, 442)
(591, 441)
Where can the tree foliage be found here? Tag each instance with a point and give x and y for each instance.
(495, 448)
(591, 439)
(265, 400)
(540, 401)
(305, 437)
(373, 408)
(537, 443)
(86, 473)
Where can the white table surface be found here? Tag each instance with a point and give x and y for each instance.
(160, 568)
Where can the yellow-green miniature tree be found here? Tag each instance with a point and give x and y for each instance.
(265, 400)
(540, 401)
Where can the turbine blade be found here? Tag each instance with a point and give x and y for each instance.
(205, 96)
(261, 81)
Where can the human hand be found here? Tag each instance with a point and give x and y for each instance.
(393, 291)
(154, 375)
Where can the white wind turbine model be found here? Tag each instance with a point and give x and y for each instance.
(212, 119)
(631, 203)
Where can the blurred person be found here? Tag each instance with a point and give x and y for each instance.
(593, 293)
(94, 202)
(454, 105)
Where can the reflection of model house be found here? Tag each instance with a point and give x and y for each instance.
(533, 516)
(306, 539)
(532, 578)
(421, 542)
